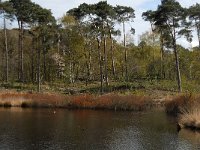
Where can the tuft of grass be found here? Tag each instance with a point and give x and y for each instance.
(187, 108)
(179, 103)
(190, 118)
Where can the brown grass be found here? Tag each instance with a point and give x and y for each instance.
(190, 118)
(175, 105)
(111, 102)
(85, 101)
(187, 108)
(16, 99)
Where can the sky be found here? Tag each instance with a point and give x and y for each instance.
(60, 7)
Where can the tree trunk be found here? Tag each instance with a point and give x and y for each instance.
(70, 73)
(77, 71)
(161, 57)
(44, 64)
(177, 61)
(88, 64)
(106, 60)
(105, 56)
(100, 65)
(6, 48)
(177, 67)
(125, 53)
(38, 69)
(71, 69)
(49, 72)
(58, 43)
(112, 54)
(21, 55)
(32, 60)
(19, 52)
(153, 40)
(113, 59)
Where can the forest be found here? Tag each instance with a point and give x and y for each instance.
(81, 50)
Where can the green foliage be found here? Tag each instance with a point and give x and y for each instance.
(124, 13)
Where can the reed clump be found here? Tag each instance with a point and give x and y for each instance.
(190, 118)
(187, 108)
(175, 105)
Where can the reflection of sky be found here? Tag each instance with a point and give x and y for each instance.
(59, 8)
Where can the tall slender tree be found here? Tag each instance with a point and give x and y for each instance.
(41, 20)
(125, 14)
(170, 15)
(104, 14)
(6, 48)
(22, 13)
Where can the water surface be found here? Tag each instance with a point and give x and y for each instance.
(34, 129)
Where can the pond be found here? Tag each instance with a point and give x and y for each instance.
(34, 129)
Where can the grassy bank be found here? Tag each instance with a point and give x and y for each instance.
(83, 101)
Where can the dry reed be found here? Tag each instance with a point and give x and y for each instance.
(187, 108)
(85, 101)
(190, 118)
(32, 99)
(111, 102)
(179, 103)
